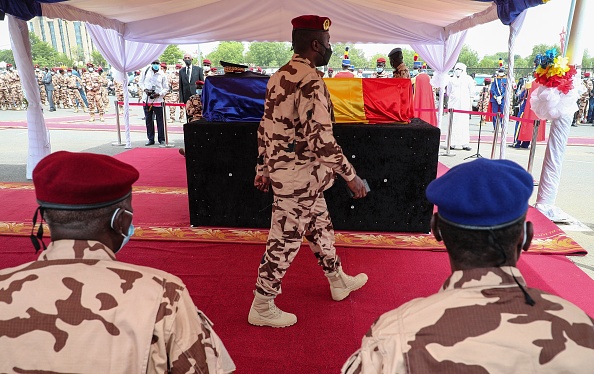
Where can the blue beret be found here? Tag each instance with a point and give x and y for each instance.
(482, 194)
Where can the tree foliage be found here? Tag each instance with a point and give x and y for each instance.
(7, 56)
(268, 54)
(227, 51)
(42, 52)
(356, 56)
(468, 56)
(98, 59)
(172, 54)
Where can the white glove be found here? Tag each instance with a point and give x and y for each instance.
(498, 99)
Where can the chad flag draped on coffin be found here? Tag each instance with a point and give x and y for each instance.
(370, 100)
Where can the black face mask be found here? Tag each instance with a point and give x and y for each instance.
(188, 62)
(326, 56)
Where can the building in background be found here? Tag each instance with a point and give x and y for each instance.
(68, 37)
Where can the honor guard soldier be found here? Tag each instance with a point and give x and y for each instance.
(77, 307)
(380, 68)
(484, 319)
(299, 158)
(92, 83)
(397, 63)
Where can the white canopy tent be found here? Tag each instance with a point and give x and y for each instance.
(137, 25)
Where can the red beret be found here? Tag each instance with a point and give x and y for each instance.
(311, 22)
(213, 69)
(9, 65)
(381, 59)
(206, 61)
(199, 83)
(163, 64)
(89, 64)
(587, 74)
(80, 181)
(178, 66)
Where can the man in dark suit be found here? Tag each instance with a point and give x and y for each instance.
(188, 75)
(49, 88)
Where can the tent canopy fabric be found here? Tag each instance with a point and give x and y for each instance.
(200, 21)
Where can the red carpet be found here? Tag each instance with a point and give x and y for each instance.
(221, 279)
(161, 213)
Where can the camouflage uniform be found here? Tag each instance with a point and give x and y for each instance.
(173, 97)
(74, 94)
(4, 103)
(401, 71)
(583, 102)
(479, 322)
(15, 93)
(91, 82)
(119, 91)
(40, 75)
(104, 94)
(79, 310)
(194, 108)
(300, 155)
(61, 86)
(484, 97)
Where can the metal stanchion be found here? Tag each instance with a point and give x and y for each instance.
(166, 145)
(449, 139)
(495, 135)
(117, 113)
(533, 147)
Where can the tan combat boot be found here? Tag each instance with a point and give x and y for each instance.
(84, 109)
(341, 285)
(92, 119)
(101, 118)
(75, 110)
(264, 313)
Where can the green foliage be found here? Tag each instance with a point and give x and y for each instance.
(42, 52)
(172, 54)
(7, 56)
(268, 54)
(468, 56)
(373, 60)
(98, 59)
(227, 51)
(356, 56)
(587, 61)
(408, 57)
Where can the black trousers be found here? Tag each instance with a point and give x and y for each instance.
(149, 110)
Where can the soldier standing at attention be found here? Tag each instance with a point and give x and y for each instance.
(79, 308)
(299, 157)
(484, 319)
(173, 95)
(380, 68)
(92, 83)
(74, 83)
(397, 63)
(194, 104)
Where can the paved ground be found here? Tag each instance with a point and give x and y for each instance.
(575, 195)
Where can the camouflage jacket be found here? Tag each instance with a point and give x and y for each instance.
(295, 142)
(77, 310)
(194, 108)
(479, 322)
(92, 81)
(401, 71)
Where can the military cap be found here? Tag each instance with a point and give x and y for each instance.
(69, 69)
(395, 50)
(230, 67)
(381, 59)
(311, 22)
(80, 181)
(8, 65)
(178, 66)
(36, 66)
(163, 64)
(199, 83)
(330, 70)
(90, 64)
(206, 62)
(587, 74)
(213, 69)
(482, 194)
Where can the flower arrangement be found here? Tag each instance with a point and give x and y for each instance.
(553, 71)
(558, 89)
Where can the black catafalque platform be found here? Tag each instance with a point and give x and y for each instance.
(398, 161)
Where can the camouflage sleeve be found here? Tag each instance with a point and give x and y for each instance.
(314, 114)
(262, 161)
(193, 346)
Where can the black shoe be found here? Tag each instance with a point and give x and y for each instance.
(467, 148)
(574, 125)
(182, 152)
(52, 109)
(150, 142)
(452, 148)
(162, 142)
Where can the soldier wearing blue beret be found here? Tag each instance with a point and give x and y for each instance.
(484, 319)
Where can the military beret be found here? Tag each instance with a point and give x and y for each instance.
(36, 66)
(206, 62)
(178, 66)
(90, 64)
(230, 67)
(482, 194)
(163, 64)
(311, 22)
(330, 69)
(381, 59)
(199, 83)
(213, 69)
(9, 65)
(394, 51)
(587, 74)
(80, 181)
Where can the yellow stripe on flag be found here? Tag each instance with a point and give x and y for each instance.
(347, 97)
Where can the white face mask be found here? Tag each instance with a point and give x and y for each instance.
(458, 72)
(206, 68)
(91, 70)
(130, 228)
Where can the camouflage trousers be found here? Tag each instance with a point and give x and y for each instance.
(105, 97)
(583, 112)
(95, 102)
(4, 104)
(76, 98)
(42, 93)
(63, 97)
(173, 97)
(291, 221)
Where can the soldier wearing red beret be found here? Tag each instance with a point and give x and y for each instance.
(77, 299)
(299, 158)
(380, 68)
